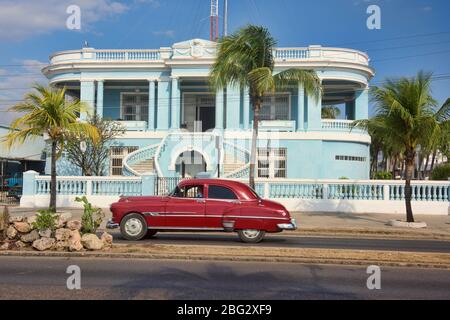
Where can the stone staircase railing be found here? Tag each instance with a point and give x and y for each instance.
(241, 154)
(137, 157)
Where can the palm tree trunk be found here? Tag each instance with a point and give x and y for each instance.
(402, 170)
(433, 160)
(408, 189)
(254, 145)
(52, 205)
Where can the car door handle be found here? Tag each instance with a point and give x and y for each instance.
(201, 201)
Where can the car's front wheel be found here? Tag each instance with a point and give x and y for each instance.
(133, 227)
(251, 236)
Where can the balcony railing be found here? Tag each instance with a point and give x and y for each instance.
(312, 53)
(127, 55)
(340, 125)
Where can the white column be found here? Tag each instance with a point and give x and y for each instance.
(151, 105)
(87, 96)
(233, 113)
(301, 108)
(100, 93)
(163, 104)
(176, 104)
(219, 109)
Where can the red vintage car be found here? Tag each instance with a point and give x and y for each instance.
(202, 205)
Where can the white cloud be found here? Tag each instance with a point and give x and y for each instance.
(152, 3)
(25, 18)
(165, 33)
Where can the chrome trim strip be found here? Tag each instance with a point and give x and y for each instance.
(183, 213)
(152, 214)
(185, 228)
(254, 217)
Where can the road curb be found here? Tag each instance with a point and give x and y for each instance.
(202, 257)
(370, 234)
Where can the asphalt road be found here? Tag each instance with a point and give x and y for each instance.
(45, 278)
(290, 241)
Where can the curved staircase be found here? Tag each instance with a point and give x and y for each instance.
(140, 161)
(236, 160)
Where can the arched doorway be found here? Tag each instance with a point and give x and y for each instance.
(190, 163)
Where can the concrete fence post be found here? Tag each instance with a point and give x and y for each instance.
(325, 191)
(29, 183)
(88, 187)
(386, 192)
(266, 190)
(148, 184)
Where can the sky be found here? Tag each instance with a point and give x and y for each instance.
(414, 34)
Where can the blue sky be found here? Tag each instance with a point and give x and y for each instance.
(415, 34)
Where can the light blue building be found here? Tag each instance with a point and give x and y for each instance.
(176, 125)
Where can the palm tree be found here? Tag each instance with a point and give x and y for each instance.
(330, 112)
(406, 118)
(246, 59)
(47, 112)
(442, 143)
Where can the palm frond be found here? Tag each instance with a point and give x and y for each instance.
(308, 78)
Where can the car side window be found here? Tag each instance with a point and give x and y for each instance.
(222, 193)
(189, 192)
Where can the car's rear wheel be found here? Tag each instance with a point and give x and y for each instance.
(133, 227)
(251, 236)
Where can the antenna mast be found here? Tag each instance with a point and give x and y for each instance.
(225, 18)
(214, 32)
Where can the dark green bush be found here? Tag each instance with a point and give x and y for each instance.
(383, 175)
(441, 172)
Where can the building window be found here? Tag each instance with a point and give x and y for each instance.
(117, 154)
(134, 107)
(351, 158)
(276, 107)
(272, 163)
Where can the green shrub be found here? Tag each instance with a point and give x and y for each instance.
(92, 217)
(441, 172)
(4, 222)
(383, 175)
(45, 219)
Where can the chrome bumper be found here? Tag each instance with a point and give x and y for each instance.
(111, 225)
(288, 226)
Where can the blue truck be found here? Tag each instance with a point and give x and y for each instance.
(13, 185)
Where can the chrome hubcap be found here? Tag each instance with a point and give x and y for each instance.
(251, 234)
(133, 227)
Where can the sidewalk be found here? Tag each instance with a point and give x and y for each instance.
(337, 224)
(371, 224)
